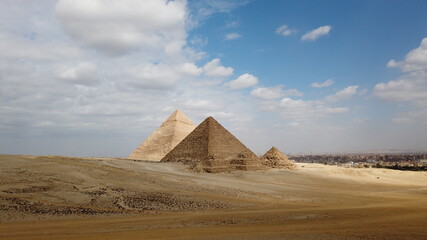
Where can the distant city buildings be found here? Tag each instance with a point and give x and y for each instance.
(403, 161)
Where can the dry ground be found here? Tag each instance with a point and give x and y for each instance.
(81, 198)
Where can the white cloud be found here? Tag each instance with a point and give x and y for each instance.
(326, 83)
(199, 41)
(188, 69)
(14, 47)
(215, 69)
(401, 120)
(200, 105)
(411, 87)
(84, 73)
(419, 115)
(232, 24)
(302, 112)
(316, 33)
(284, 30)
(360, 120)
(415, 60)
(117, 27)
(345, 93)
(271, 93)
(293, 92)
(305, 111)
(294, 124)
(243, 81)
(362, 92)
(268, 93)
(203, 9)
(232, 36)
(159, 76)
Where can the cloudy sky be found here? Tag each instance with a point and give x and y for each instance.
(96, 77)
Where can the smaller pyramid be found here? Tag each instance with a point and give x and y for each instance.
(211, 148)
(274, 158)
(165, 138)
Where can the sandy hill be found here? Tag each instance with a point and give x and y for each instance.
(274, 158)
(211, 148)
(165, 138)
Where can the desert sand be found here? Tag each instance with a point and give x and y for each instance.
(101, 198)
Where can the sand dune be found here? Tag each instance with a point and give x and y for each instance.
(100, 198)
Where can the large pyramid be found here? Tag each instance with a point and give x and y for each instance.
(165, 138)
(211, 148)
(274, 158)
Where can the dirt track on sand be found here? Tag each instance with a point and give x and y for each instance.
(99, 198)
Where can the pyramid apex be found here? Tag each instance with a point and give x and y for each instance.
(178, 115)
(210, 120)
(274, 148)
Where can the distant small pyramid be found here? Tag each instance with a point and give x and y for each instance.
(274, 158)
(211, 148)
(165, 138)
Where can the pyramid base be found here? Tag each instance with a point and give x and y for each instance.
(231, 165)
(281, 164)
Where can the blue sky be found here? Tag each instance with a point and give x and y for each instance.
(364, 37)
(95, 78)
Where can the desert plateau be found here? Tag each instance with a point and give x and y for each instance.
(54, 197)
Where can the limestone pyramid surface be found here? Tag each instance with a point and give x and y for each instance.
(211, 148)
(165, 138)
(274, 158)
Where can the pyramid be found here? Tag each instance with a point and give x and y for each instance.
(211, 148)
(274, 158)
(165, 138)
